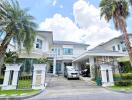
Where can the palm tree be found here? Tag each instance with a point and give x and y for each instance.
(10, 57)
(118, 11)
(16, 23)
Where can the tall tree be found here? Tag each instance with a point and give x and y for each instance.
(17, 23)
(118, 11)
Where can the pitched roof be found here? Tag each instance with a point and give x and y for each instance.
(119, 37)
(68, 43)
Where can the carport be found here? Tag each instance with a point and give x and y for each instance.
(96, 57)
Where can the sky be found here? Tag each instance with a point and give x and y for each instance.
(73, 20)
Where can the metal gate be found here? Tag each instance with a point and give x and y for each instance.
(25, 75)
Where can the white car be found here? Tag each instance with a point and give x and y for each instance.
(71, 72)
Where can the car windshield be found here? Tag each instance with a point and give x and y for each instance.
(71, 69)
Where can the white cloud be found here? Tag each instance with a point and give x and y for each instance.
(54, 2)
(63, 28)
(92, 30)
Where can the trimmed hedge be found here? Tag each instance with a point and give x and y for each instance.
(122, 76)
(123, 79)
(123, 83)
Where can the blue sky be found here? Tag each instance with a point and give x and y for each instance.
(42, 9)
(73, 18)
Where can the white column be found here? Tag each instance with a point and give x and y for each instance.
(39, 71)
(43, 78)
(6, 79)
(104, 68)
(11, 67)
(34, 79)
(62, 67)
(104, 77)
(54, 65)
(111, 77)
(14, 81)
(91, 62)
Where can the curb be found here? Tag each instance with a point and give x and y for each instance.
(126, 92)
(21, 97)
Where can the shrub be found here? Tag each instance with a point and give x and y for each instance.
(123, 83)
(1, 80)
(117, 77)
(125, 67)
(122, 76)
(126, 76)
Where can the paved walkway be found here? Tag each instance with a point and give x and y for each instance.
(60, 86)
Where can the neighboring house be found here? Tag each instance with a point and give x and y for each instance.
(115, 44)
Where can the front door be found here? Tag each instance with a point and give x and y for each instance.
(58, 68)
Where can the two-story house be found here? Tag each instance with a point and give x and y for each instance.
(66, 52)
(61, 53)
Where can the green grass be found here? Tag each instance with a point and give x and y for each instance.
(18, 92)
(24, 83)
(121, 88)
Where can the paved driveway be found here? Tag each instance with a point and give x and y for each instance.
(60, 86)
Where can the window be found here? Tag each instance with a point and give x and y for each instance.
(113, 48)
(39, 44)
(118, 47)
(56, 50)
(68, 51)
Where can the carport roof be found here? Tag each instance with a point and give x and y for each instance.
(99, 53)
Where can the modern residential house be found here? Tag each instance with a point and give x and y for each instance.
(67, 53)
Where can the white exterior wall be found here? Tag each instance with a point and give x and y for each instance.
(38, 52)
(77, 50)
(45, 44)
(116, 42)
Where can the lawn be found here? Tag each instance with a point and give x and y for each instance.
(123, 88)
(24, 84)
(18, 92)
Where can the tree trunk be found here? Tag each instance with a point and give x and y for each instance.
(127, 42)
(2, 54)
(3, 48)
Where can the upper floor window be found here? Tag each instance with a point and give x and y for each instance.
(114, 49)
(56, 50)
(68, 51)
(39, 44)
(118, 47)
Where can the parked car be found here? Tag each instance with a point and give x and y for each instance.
(71, 72)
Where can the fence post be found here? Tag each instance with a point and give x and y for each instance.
(107, 75)
(39, 76)
(11, 67)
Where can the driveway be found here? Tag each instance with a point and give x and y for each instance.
(59, 87)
